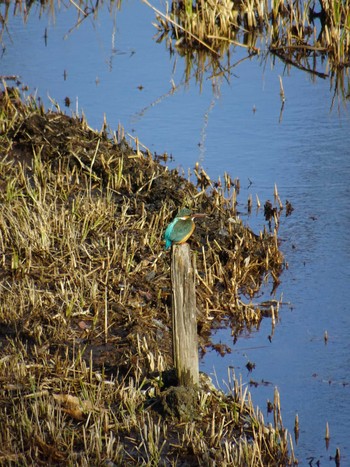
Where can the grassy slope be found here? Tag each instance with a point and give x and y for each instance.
(85, 323)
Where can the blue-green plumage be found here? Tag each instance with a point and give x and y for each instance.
(181, 228)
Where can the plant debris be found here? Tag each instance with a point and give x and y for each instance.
(85, 322)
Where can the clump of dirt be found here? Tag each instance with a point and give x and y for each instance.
(84, 275)
(180, 403)
(143, 197)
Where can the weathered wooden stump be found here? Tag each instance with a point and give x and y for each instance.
(185, 339)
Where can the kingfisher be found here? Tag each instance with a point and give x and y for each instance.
(181, 228)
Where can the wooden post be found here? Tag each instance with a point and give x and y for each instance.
(185, 339)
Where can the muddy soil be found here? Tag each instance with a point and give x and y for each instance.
(149, 187)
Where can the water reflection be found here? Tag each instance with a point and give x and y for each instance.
(207, 38)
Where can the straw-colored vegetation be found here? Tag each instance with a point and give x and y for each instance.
(85, 327)
(289, 27)
(312, 37)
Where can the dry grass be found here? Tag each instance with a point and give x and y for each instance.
(285, 25)
(85, 341)
(300, 34)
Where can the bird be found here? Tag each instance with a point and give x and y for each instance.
(181, 228)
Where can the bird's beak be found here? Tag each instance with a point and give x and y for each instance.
(198, 215)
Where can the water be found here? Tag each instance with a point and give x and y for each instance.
(309, 161)
(306, 154)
